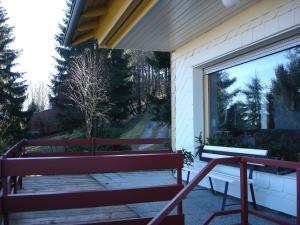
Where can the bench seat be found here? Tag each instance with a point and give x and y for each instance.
(220, 176)
(227, 177)
(210, 152)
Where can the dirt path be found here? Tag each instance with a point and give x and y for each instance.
(153, 130)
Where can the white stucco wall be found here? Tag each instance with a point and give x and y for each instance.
(260, 23)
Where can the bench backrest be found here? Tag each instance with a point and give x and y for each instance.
(213, 152)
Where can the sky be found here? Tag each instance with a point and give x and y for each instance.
(35, 24)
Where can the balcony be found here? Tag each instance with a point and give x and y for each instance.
(119, 187)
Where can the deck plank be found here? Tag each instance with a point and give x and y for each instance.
(64, 183)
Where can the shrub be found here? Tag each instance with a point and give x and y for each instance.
(282, 144)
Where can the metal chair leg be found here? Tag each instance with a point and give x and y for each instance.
(253, 196)
(188, 177)
(211, 186)
(225, 196)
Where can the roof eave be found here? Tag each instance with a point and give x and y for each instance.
(75, 16)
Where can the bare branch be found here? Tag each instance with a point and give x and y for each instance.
(87, 87)
(39, 95)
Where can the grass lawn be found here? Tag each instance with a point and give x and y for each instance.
(136, 128)
(77, 133)
(132, 129)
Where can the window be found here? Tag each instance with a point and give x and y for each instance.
(258, 99)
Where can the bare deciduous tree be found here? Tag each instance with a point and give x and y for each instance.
(87, 87)
(39, 95)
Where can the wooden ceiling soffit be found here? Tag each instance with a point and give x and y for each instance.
(115, 11)
(88, 26)
(134, 17)
(112, 21)
(84, 37)
(95, 12)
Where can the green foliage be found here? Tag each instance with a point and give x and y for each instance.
(125, 99)
(188, 158)
(3, 147)
(287, 83)
(68, 115)
(32, 108)
(200, 146)
(224, 98)
(253, 103)
(120, 90)
(282, 144)
(13, 119)
(160, 108)
(159, 102)
(136, 126)
(160, 60)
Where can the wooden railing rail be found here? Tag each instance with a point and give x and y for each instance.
(16, 151)
(19, 150)
(243, 211)
(89, 164)
(85, 199)
(95, 141)
(90, 153)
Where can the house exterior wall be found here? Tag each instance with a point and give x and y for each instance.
(259, 24)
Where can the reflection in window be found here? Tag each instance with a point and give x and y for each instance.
(258, 97)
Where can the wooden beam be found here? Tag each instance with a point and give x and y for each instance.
(88, 26)
(95, 12)
(116, 8)
(84, 37)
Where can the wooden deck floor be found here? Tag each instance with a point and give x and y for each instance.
(43, 184)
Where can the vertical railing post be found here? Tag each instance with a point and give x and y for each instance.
(179, 183)
(244, 193)
(23, 152)
(298, 196)
(4, 181)
(93, 145)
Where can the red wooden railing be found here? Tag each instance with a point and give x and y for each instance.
(243, 211)
(16, 162)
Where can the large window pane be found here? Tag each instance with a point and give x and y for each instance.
(254, 98)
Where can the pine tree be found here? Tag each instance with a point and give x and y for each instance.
(224, 98)
(253, 101)
(68, 115)
(160, 100)
(236, 117)
(32, 107)
(12, 88)
(287, 82)
(120, 91)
